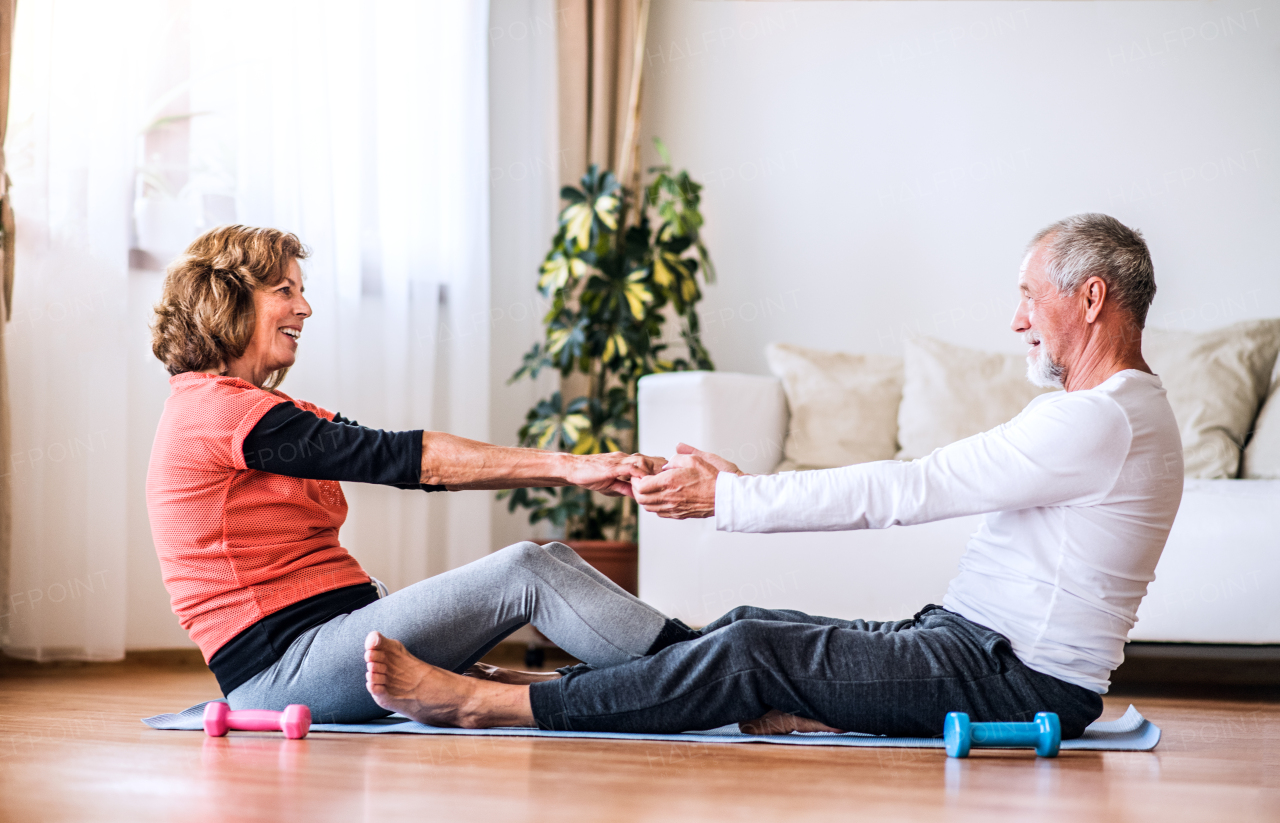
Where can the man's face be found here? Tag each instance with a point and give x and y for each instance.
(1046, 321)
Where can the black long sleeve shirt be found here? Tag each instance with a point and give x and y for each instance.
(297, 443)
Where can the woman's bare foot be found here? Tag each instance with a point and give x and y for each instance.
(776, 722)
(512, 677)
(400, 682)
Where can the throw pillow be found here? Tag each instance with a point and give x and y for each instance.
(1216, 382)
(844, 407)
(1262, 453)
(952, 392)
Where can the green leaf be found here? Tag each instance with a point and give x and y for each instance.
(615, 346)
(606, 209)
(708, 270)
(559, 270)
(638, 296)
(543, 432)
(689, 289)
(577, 220)
(661, 148)
(668, 268)
(587, 444)
(662, 274)
(534, 361)
(574, 425)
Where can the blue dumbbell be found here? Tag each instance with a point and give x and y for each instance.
(1044, 733)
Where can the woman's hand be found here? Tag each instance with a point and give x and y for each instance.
(611, 473)
(688, 486)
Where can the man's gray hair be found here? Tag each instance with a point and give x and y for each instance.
(1088, 245)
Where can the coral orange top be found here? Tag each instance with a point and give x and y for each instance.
(236, 544)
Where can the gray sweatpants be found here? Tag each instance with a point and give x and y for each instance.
(452, 620)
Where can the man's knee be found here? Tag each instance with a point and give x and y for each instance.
(752, 638)
(734, 616)
(742, 613)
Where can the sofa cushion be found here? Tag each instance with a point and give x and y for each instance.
(1262, 452)
(1216, 383)
(844, 407)
(952, 392)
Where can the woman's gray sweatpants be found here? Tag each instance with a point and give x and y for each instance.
(452, 620)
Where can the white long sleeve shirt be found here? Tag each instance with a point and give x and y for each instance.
(1079, 492)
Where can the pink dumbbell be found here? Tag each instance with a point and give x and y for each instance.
(294, 721)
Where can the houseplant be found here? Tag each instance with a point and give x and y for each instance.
(621, 265)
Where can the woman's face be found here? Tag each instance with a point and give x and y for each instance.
(281, 310)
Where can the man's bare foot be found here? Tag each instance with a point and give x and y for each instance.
(512, 677)
(776, 722)
(400, 682)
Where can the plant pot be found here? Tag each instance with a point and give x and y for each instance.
(618, 560)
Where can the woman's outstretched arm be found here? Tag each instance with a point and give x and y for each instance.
(296, 442)
(458, 463)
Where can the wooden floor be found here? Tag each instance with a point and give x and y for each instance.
(71, 748)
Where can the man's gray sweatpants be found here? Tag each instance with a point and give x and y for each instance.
(452, 620)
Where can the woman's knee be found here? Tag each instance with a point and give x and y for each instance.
(523, 555)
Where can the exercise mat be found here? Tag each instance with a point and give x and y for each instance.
(1130, 733)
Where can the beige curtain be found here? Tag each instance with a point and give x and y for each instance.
(7, 8)
(601, 57)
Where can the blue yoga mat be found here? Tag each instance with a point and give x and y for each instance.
(1130, 733)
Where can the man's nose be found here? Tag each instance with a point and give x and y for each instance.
(1021, 320)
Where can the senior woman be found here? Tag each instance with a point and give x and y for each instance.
(245, 509)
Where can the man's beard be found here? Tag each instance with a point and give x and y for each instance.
(1043, 370)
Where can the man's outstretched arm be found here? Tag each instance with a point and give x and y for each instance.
(1065, 453)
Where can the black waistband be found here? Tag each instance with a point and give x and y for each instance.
(266, 641)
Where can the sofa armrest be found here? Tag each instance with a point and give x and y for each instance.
(741, 417)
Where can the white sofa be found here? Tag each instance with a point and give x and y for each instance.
(1215, 583)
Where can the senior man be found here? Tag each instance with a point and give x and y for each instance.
(1079, 492)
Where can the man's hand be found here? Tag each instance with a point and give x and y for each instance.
(611, 473)
(687, 488)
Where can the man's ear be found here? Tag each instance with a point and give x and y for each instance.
(1095, 295)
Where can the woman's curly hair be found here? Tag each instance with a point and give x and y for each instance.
(205, 316)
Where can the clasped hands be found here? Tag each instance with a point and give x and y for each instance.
(679, 488)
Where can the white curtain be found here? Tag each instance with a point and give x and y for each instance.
(360, 126)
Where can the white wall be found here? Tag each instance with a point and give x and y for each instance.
(874, 169)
